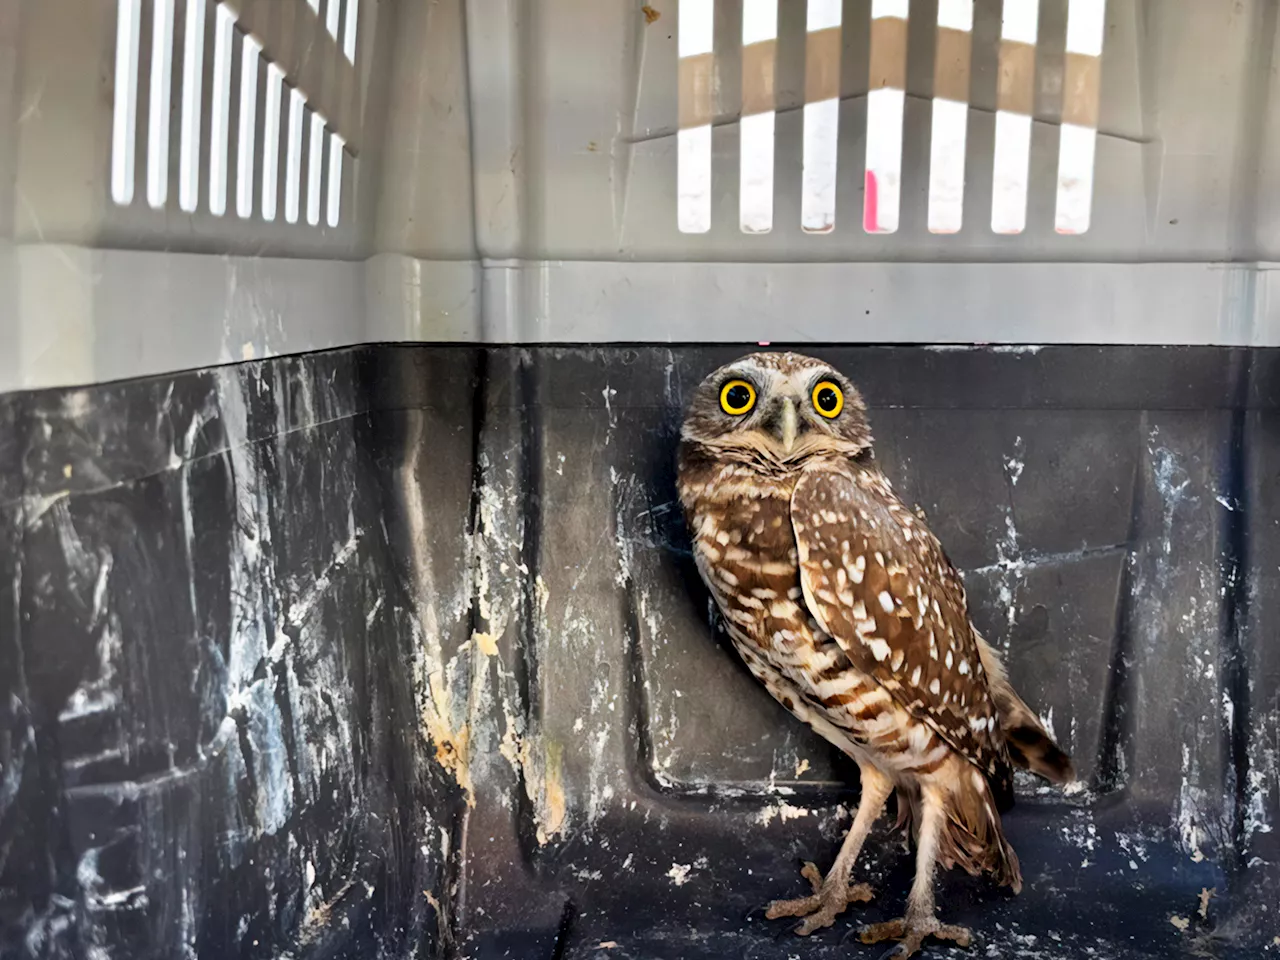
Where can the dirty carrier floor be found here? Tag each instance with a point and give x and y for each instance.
(399, 651)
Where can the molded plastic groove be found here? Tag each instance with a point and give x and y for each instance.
(250, 51)
(886, 101)
(821, 117)
(1082, 73)
(192, 81)
(124, 117)
(333, 17)
(696, 30)
(315, 161)
(271, 142)
(950, 126)
(1015, 101)
(755, 172)
(334, 188)
(349, 29)
(158, 117)
(219, 132)
(293, 159)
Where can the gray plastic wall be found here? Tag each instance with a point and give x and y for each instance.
(510, 177)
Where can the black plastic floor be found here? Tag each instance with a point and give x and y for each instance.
(399, 651)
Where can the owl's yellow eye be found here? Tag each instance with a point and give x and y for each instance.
(828, 399)
(737, 397)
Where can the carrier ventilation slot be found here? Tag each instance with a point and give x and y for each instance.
(241, 161)
(949, 142)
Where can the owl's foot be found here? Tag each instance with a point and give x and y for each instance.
(910, 934)
(820, 909)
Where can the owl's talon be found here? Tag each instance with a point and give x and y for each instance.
(811, 873)
(911, 935)
(820, 908)
(783, 931)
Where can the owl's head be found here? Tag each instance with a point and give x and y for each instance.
(783, 407)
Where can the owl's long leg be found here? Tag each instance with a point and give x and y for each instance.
(832, 895)
(920, 921)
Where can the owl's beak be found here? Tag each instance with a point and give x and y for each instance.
(788, 425)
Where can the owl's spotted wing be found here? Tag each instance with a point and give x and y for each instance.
(878, 582)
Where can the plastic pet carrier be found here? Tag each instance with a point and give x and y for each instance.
(347, 607)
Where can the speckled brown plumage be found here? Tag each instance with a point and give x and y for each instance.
(844, 605)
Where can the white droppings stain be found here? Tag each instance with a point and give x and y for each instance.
(99, 694)
(1172, 481)
(1046, 720)
(783, 811)
(301, 607)
(1255, 813)
(609, 393)
(1192, 815)
(679, 873)
(1014, 465)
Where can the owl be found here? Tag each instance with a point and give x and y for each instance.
(844, 605)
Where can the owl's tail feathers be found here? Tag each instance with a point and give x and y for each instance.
(1032, 749)
(1029, 743)
(972, 836)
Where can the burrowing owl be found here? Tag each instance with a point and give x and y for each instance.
(844, 605)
